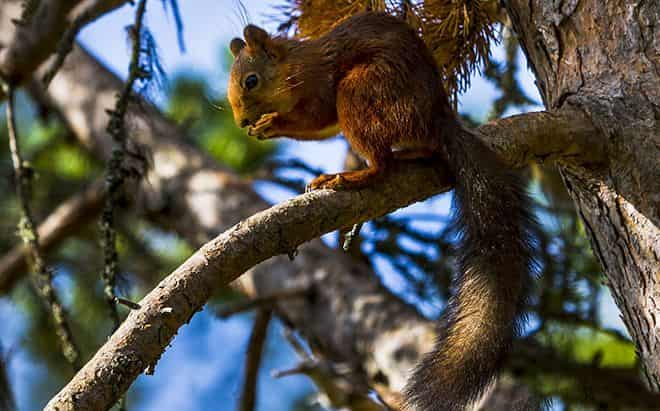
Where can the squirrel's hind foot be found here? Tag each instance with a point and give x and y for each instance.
(349, 180)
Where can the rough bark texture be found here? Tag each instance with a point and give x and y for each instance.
(602, 57)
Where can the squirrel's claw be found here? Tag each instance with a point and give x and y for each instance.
(262, 129)
(326, 181)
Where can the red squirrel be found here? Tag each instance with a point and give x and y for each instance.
(373, 78)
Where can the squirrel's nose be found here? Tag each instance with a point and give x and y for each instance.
(245, 122)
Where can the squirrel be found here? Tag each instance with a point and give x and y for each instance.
(373, 78)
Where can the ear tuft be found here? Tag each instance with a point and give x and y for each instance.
(236, 46)
(255, 37)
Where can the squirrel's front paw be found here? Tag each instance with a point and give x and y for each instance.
(263, 128)
(328, 181)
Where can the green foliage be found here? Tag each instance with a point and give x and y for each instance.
(66, 161)
(588, 345)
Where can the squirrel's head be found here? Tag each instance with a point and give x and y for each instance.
(257, 82)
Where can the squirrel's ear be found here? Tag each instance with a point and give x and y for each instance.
(236, 46)
(255, 37)
(259, 39)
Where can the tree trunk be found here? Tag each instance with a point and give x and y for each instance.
(602, 57)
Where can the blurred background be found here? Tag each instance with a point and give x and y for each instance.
(572, 310)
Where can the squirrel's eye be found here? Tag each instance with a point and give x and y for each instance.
(251, 81)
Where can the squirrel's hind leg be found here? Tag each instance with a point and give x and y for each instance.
(351, 180)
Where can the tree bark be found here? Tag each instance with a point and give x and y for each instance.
(602, 57)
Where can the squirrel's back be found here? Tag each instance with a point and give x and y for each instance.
(389, 88)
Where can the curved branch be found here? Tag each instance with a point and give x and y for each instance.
(139, 342)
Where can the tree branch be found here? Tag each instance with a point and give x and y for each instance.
(28, 43)
(89, 11)
(43, 275)
(566, 136)
(253, 359)
(341, 388)
(116, 171)
(141, 339)
(261, 302)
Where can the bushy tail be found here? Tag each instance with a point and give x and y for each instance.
(495, 266)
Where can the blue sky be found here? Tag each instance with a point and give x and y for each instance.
(202, 368)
